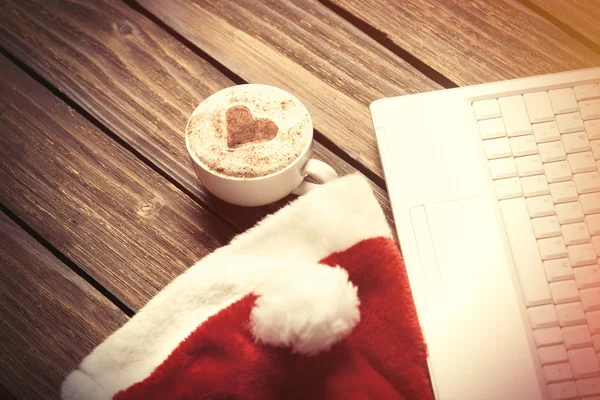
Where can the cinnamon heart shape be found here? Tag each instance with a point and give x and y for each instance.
(243, 128)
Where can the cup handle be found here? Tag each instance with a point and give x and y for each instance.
(316, 169)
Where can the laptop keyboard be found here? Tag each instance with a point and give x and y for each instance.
(543, 152)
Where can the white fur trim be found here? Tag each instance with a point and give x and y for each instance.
(79, 386)
(306, 306)
(331, 218)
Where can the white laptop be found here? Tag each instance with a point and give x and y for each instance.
(495, 191)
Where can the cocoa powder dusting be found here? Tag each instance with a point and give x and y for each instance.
(217, 124)
(285, 104)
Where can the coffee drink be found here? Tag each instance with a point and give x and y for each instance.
(248, 131)
(251, 145)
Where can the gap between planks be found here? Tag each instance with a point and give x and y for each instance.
(383, 39)
(104, 129)
(569, 30)
(67, 261)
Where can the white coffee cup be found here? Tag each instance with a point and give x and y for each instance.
(262, 190)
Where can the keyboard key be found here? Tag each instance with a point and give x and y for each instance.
(538, 107)
(564, 291)
(593, 223)
(595, 145)
(558, 171)
(523, 145)
(584, 362)
(516, 119)
(503, 168)
(508, 188)
(563, 192)
(587, 277)
(546, 227)
(592, 128)
(588, 386)
(528, 264)
(590, 298)
(540, 206)
(530, 165)
(590, 203)
(552, 248)
(590, 109)
(568, 123)
(491, 128)
(485, 109)
(569, 213)
(575, 142)
(581, 254)
(593, 321)
(582, 162)
(577, 336)
(553, 354)
(535, 186)
(576, 233)
(570, 314)
(542, 316)
(563, 390)
(550, 336)
(497, 148)
(546, 132)
(587, 182)
(558, 270)
(557, 372)
(563, 100)
(586, 92)
(552, 151)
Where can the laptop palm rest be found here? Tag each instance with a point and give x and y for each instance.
(464, 265)
(458, 240)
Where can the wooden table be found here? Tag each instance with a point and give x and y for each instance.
(99, 205)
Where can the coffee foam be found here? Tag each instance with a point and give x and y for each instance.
(207, 131)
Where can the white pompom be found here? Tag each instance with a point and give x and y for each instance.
(306, 306)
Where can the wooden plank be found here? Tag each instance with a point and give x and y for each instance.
(303, 47)
(51, 317)
(124, 224)
(5, 394)
(475, 41)
(582, 16)
(133, 77)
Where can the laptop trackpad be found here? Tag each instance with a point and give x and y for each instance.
(465, 238)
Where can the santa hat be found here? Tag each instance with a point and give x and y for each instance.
(311, 303)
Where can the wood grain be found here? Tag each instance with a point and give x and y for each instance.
(124, 224)
(135, 79)
(5, 394)
(303, 47)
(582, 16)
(51, 318)
(475, 41)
